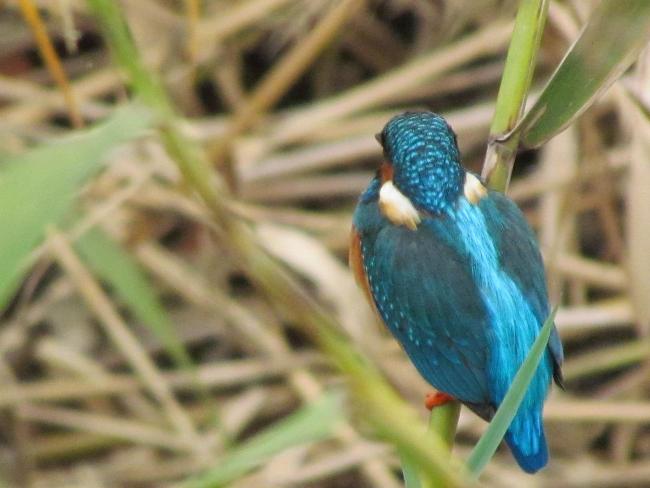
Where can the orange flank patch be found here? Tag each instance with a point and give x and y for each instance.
(386, 172)
(355, 260)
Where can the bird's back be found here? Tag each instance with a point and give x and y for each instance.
(465, 296)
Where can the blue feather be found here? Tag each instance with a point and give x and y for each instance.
(519, 257)
(417, 306)
(513, 325)
(462, 320)
(531, 463)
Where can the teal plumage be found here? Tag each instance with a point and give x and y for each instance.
(464, 293)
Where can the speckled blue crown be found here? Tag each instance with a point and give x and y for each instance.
(426, 163)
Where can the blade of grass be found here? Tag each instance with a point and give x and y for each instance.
(490, 440)
(409, 471)
(309, 424)
(147, 87)
(118, 268)
(444, 422)
(37, 188)
(520, 65)
(608, 44)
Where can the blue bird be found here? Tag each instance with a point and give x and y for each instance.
(455, 273)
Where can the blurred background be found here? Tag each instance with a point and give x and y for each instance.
(142, 346)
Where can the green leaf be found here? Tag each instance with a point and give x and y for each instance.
(37, 188)
(118, 268)
(409, 471)
(146, 85)
(609, 43)
(311, 423)
(490, 440)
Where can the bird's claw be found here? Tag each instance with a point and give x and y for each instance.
(433, 400)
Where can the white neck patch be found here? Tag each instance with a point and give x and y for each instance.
(396, 206)
(473, 189)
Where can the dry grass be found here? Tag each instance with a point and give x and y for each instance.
(90, 396)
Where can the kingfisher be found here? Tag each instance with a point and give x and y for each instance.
(454, 271)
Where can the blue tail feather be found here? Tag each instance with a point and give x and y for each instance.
(530, 460)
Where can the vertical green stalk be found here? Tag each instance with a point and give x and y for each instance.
(147, 86)
(443, 422)
(511, 100)
(499, 159)
(441, 432)
(149, 89)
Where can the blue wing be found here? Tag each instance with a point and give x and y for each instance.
(465, 295)
(442, 329)
(519, 257)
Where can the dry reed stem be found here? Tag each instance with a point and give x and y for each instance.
(382, 89)
(604, 315)
(51, 58)
(557, 216)
(190, 286)
(35, 104)
(123, 338)
(224, 374)
(57, 355)
(590, 271)
(284, 74)
(193, 13)
(135, 432)
(638, 196)
(597, 411)
(213, 30)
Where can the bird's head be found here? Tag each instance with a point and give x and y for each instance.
(421, 164)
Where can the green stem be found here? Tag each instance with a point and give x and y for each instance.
(517, 76)
(515, 82)
(442, 423)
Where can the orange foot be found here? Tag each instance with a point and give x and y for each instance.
(433, 400)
